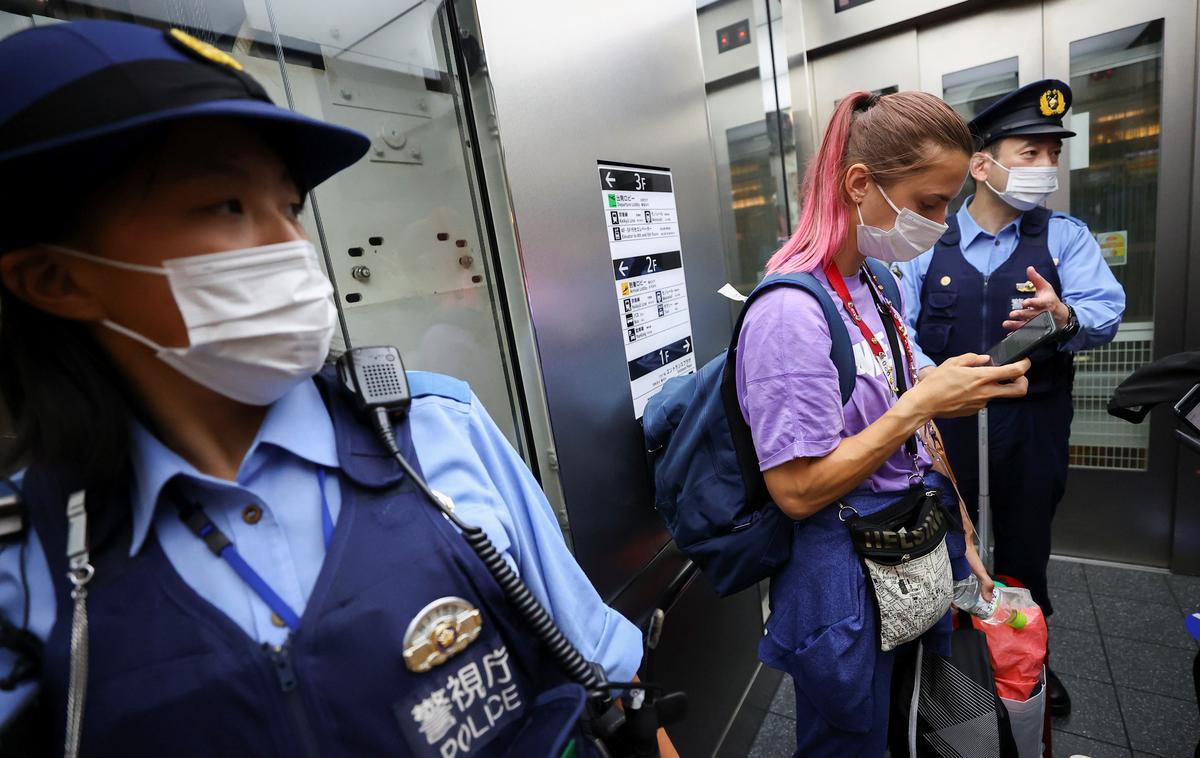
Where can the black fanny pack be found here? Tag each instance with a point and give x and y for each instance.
(911, 528)
(903, 552)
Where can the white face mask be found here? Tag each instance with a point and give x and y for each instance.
(911, 235)
(1028, 186)
(259, 320)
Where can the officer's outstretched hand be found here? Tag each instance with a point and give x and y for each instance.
(964, 384)
(1044, 299)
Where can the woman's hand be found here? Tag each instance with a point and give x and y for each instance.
(666, 748)
(964, 384)
(986, 583)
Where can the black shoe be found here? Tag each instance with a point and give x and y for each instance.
(1056, 693)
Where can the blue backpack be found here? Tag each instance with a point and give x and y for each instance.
(708, 486)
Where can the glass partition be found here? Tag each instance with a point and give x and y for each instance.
(1116, 80)
(753, 126)
(972, 90)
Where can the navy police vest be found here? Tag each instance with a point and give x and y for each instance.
(962, 310)
(170, 675)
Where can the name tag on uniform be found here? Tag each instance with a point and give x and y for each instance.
(463, 708)
(1026, 288)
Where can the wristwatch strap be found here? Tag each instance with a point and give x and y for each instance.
(1072, 327)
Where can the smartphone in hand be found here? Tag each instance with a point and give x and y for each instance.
(1021, 343)
(1188, 409)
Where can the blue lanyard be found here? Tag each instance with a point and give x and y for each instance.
(198, 522)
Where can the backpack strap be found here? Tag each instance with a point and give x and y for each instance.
(840, 351)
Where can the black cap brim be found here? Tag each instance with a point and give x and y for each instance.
(1042, 130)
(1033, 130)
(44, 179)
(314, 150)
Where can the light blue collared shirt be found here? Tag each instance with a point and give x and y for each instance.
(1088, 284)
(273, 514)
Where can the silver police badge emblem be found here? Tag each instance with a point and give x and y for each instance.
(440, 631)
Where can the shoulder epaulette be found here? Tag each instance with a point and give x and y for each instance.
(426, 384)
(1068, 217)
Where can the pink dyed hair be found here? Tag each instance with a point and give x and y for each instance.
(892, 135)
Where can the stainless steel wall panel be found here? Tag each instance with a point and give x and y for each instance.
(823, 25)
(575, 83)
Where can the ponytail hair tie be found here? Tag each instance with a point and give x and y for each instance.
(866, 103)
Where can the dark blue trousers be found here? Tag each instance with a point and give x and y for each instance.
(1028, 442)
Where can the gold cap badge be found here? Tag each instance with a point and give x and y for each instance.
(440, 631)
(203, 49)
(1052, 103)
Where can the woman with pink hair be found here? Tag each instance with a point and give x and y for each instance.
(878, 187)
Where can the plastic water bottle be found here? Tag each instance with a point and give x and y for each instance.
(1007, 605)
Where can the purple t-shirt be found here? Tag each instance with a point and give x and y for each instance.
(788, 386)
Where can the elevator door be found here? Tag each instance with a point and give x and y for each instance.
(1131, 67)
(1132, 72)
(881, 66)
(970, 71)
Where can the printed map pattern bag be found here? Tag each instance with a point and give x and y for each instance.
(903, 550)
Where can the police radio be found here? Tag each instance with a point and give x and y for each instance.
(375, 377)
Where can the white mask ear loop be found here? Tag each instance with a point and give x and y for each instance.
(113, 325)
(886, 199)
(889, 201)
(1006, 170)
(105, 261)
(896, 225)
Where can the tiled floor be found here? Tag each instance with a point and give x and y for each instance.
(1117, 641)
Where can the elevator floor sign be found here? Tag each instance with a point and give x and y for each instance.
(643, 240)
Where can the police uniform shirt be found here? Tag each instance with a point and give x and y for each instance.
(1087, 281)
(272, 513)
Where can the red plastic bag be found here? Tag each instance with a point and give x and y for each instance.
(1017, 654)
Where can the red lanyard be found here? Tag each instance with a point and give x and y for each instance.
(839, 286)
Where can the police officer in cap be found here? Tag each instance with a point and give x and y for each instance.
(222, 557)
(1005, 259)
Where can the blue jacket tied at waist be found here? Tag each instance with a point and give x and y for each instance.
(824, 628)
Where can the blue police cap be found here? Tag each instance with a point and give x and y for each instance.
(76, 90)
(1036, 108)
